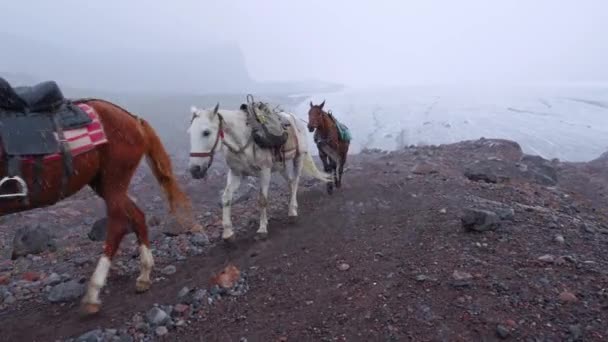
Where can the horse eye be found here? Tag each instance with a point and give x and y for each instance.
(206, 133)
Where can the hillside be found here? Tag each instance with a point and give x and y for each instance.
(197, 69)
(386, 258)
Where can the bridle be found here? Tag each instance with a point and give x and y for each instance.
(211, 154)
(218, 137)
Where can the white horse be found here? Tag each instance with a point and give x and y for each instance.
(227, 130)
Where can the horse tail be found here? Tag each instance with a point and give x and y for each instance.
(159, 162)
(311, 169)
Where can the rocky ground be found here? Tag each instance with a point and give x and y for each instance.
(465, 242)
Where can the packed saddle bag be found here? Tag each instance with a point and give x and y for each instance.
(268, 127)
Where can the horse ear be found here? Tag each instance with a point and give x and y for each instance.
(322, 104)
(193, 110)
(217, 107)
(310, 104)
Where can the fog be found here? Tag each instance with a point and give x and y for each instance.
(396, 72)
(357, 43)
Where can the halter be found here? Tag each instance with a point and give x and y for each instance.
(211, 154)
(220, 135)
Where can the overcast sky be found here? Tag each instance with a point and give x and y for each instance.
(359, 43)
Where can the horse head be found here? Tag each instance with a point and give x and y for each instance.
(205, 134)
(315, 116)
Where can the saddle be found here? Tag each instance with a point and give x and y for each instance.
(32, 121)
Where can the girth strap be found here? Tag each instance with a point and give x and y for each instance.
(66, 154)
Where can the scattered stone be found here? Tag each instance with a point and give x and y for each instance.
(199, 239)
(161, 331)
(422, 277)
(479, 220)
(183, 292)
(547, 258)
(424, 168)
(91, 336)
(66, 292)
(52, 280)
(30, 276)
(344, 267)
(502, 331)
(478, 175)
(567, 297)
(505, 213)
(169, 270)
(157, 316)
(181, 309)
(9, 299)
(227, 278)
(198, 296)
(461, 276)
(81, 261)
(32, 240)
(443, 211)
(99, 230)
(154, 221)
(576, 333)
(560, 239)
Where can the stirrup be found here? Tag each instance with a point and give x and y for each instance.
(22, 192)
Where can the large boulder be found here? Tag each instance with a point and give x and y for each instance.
(32, 240)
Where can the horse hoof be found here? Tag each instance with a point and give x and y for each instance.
(230, 239)
(292, 219)
(261, 236)
(142, 286)
(91, 308)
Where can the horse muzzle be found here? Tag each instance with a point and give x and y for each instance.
(311, 129)
(198, 172)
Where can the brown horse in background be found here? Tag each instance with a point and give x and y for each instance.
(332, 149)
(108, 168)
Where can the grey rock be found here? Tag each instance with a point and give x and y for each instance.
(52, 280)
(183, 292)
(32, 240)
(169, 270)
(142, 327)
(576, 333)
(502, 331)
(66, 292)
(540, 170)
(99, 230)
(161, 331)
(10, 299)
(199, 239)
(157, 316)
(479, 220)
(91, 336)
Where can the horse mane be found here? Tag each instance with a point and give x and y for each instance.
(91, 99)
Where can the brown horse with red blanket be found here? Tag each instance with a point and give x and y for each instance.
(104, 155)
(333, 149)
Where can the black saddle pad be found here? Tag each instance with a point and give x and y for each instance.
(28, 135)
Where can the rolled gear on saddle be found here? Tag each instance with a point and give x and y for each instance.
(268, 128)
